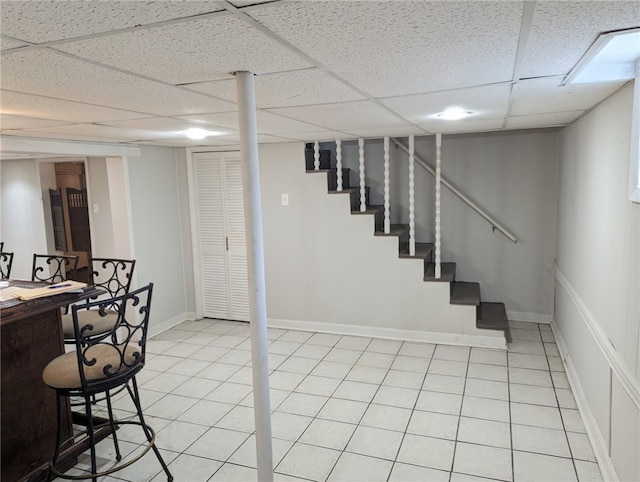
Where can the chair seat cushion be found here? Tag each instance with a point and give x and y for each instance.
(62, 372)
(101, 324)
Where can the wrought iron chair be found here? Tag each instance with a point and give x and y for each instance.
(6, 261)
(112, 275)
(99, 365)
(53, 268)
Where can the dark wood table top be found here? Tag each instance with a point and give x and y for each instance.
(15, 309)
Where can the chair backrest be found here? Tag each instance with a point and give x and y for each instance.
(114, 357)
(6, 260)
(53, 268)
(112, 275)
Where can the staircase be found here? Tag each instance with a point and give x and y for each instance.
(489, 315)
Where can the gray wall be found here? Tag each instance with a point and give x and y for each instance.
(157, 228)
(512, 176)
(598, 288)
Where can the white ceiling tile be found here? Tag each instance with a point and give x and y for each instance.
(347, 115)
(326, 135)
(267, 122)
(166, 124)
(9, 121)
(464, 125)
(385, 132)
(562, 31)
(102, 131)
(7, 43)
(50, 135)
(403, 47)
(542, 120)
(541, 96)
(47, 108)
(42, 21)
(284, 89)
(203, 49)
(223, 89)
(70, 78)
(488, 102)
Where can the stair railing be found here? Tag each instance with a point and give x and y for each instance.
(494, 224)
(339, 164)
(412, 202)
(363, 191)
(438, 243)
(387, 199)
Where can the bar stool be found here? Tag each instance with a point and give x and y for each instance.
(114, 277)
(53, 268)
(6, 260)
(98, 365)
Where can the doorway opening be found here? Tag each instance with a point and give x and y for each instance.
(70, 214)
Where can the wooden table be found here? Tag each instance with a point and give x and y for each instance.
(31, 336)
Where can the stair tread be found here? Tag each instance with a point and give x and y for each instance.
(465, 293)
(423, 250)
(447, 272)
(369, 210)
(493, 316)
(394, 229)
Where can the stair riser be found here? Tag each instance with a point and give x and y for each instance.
(325, 159)
(332, 180)
(355, 199)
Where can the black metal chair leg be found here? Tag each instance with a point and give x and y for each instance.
(56, 451)
(135, 396)
(92, 439)
(112, 425)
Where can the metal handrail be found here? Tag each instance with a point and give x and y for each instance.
(494, 224)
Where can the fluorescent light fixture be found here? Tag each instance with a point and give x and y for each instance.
(197, 133)
(612, 57)
(454, 113)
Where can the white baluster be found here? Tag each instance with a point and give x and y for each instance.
(412, 207)
(339, 163)
(387, 217)
(316, 156)
(363, 194)
(438, 272)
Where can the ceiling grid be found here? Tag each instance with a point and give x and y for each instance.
(145, 72)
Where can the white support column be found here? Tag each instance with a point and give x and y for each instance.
(412, 203)
(339, 163)
(255, 268)
(438, 260)
(363, 192)
(316, 156)
(387, 202)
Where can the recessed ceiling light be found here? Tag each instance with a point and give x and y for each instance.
(454, 113)
(197, 133)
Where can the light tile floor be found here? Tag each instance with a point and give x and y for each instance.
(347, 408)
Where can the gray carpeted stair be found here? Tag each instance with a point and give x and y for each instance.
(490, 316)
(464, 293)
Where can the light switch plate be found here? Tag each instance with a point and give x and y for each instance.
(284, 199)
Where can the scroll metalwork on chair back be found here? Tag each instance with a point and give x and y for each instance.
(113, 357)
(6, 260)
(112, 275)
(53, 268)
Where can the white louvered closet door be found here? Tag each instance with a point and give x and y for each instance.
(223, 248)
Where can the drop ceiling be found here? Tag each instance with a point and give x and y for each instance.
(137, 72)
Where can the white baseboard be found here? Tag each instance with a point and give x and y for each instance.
(598, 443)
(497, 342)
(160, 327)
(530, 317)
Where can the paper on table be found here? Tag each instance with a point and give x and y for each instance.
(33, 293)
(6, 294)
